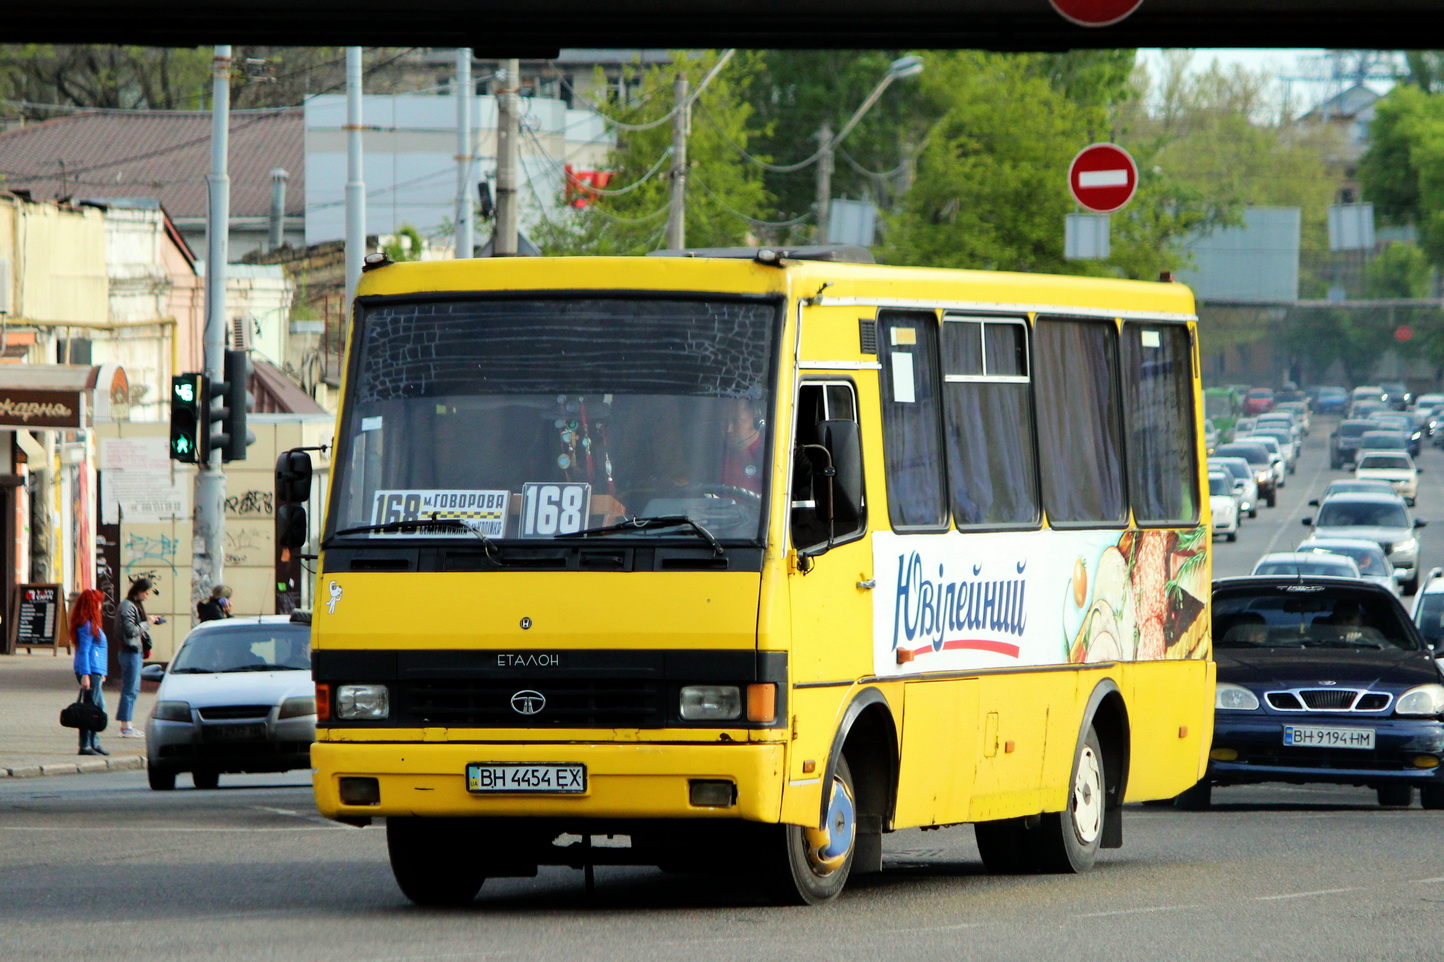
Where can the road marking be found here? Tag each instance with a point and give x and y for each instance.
(303, 816)
(1151, 908)
(1428, 881)
(1304, 895)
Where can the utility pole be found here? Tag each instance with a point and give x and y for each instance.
(824, 180)
(504, 242)
(355, 178)
(465, 155)
(208, 566)
(681, 127)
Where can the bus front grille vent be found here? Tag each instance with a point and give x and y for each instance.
(563, 703)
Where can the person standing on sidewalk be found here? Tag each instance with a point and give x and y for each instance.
(90, 658)
(134, 631)
(217, 606)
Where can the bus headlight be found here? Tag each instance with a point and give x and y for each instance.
(711, 702)
(357, 702)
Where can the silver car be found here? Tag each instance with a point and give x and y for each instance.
(1381, 518)
(237, 698)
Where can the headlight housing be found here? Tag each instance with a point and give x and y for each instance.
(1421, 700)
(362, 702)
(298, 706)
(710, 702)
(1230, 697)
(179, 711)
(1407, 546)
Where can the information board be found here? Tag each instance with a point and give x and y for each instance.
(37, 619)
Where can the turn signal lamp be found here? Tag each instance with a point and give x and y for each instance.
(1426, 761)
(323, 702)
(762, 703)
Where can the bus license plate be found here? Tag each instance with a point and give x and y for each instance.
(1316, 736)
(512, 777)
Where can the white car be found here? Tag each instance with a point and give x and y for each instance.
(1306, 564)
(1373, 563)
(1398, 469)
(1381, 518)
(1244, 484)
(1225, 505)
(238, 697)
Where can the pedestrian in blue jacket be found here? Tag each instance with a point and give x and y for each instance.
(90, 658)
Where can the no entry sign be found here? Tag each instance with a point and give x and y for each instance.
(1102, 177)
(1095, 13)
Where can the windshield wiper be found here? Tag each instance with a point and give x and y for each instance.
(455, 524)
(644, 524)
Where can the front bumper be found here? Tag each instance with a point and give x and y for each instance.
(1263, 757)
(285, 744)
(624, 781)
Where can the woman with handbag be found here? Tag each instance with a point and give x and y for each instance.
(134, 630)
(90, 658)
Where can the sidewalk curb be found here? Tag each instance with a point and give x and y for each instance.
(88, 767)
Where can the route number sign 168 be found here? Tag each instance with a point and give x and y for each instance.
(554, 509)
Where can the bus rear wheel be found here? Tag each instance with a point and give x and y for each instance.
(430, 865)
(809, 866)
(1054, 842)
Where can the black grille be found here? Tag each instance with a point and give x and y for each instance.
(569, 703)
(224, 712)
(1328, 699)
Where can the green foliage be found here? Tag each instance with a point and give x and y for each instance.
(1399, 270)
(793, 92)
(630, 216)
(405, 244)
(1402, 171)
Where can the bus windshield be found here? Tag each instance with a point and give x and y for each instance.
(537, 418)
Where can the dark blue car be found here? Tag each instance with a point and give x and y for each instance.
(1323, 680)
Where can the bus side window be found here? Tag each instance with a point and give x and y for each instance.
(1162, 448)
(911, 420)
(1080, 440)
(828, 503)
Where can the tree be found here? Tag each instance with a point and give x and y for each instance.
(1402, 171)
(39, 78)
(629, 216)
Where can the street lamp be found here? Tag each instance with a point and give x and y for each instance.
(909, 66)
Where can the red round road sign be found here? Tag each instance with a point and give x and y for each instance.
(1102, 177)
(1403, 333)
(1094, 13)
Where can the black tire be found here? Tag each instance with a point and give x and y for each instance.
(1273, 498)
(1432, 797)
(1253, 512)
(1199, 798)
(206, 780)
(806, 866)
(429, 860)
(160, 779)
(1411, 586)
(1067, 842)
(1233, 535)
(1395, 796)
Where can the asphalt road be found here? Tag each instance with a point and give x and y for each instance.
(1280, 528)
(100, 867)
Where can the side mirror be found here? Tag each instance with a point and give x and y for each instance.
(1314, 503)
(844, 440)
(1420, 523)
(153, 672)
(1308, 522)
(835, 487)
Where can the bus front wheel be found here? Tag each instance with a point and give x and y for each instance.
(809, 866)
(430, 867)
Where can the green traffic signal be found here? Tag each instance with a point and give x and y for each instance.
(188, 418)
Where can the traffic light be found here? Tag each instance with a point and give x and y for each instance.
(293, 489)
(230, 401)
(189, 422)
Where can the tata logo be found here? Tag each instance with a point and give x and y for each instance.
(528, 702)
